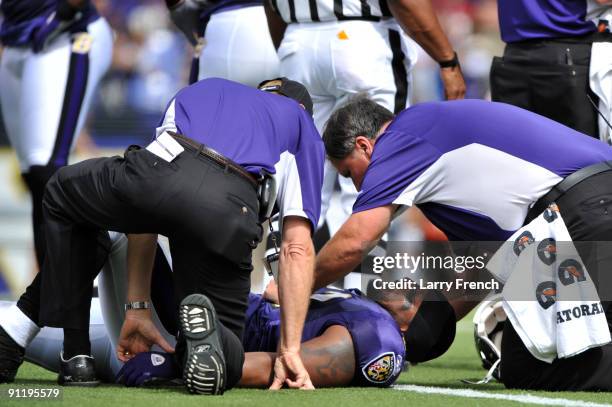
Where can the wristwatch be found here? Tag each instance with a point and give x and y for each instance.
(137, 305)
(451, 63)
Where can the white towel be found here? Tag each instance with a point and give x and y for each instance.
(566, 317)
(600, 81)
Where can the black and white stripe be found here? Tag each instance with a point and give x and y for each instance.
(400, 73)
(305, 11)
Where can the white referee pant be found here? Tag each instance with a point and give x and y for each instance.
(45, 96)
(340, 59)
(239, 47)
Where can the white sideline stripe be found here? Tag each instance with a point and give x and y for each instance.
(519, 398)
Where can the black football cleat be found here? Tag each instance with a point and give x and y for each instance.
(11, 357)
(204, 363)
(79, 370)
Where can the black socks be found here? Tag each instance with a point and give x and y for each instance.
(76, 342)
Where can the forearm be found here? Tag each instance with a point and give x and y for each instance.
(140, 258)
(351, 243)
(295, 286)
(328, 358)
(418, 19)
(257, 370)
(337, 258)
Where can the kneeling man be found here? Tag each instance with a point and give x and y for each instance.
(479, 171)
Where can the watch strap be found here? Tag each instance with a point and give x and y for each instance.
(451, 63)
(137, 305)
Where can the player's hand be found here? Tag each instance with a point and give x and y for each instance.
(289, 369)
(454, 84)
(186, 16)
(138, 334)
(271, 292)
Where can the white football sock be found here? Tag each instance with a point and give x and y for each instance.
(19, 327)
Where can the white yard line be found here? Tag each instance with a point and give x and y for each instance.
(519, 398)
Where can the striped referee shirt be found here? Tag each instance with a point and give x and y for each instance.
(306, 11)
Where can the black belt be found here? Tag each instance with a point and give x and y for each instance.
(580, 39)
(565, 185)
(216, 157)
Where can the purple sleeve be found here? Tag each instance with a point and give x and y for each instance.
(304, 170)
(398, 160)
(379, 350)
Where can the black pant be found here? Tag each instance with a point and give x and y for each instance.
(587, 212)
(548, 77)
(208, 213)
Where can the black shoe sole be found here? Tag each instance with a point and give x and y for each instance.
(7, 379)
(204, 370)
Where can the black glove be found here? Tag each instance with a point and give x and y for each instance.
(185, 14)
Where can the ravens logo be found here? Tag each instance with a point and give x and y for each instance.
(380, 369)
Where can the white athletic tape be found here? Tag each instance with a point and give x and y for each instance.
(519, 398)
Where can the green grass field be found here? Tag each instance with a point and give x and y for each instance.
(460, 362)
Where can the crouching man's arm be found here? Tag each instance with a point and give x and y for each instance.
(329, 360)
(351, 243)
(138, 332)
(296, 270)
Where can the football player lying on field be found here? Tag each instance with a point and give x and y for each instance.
(348, 339)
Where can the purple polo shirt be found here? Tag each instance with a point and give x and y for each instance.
(257, 130)
(522, 20)
(473, 167)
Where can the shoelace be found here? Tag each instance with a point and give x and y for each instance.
(487, 378)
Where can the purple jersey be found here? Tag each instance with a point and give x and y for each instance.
(257, 130)
(521, 20)
(23, 17)
(473, 167)
(378, 342)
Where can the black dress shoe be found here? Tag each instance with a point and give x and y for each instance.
(79, 370)
(11, 357)
(204, 363)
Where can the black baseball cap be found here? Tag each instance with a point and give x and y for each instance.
(289, 88)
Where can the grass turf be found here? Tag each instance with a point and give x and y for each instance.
(460, 362)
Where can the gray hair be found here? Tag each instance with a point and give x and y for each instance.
(359, 117)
